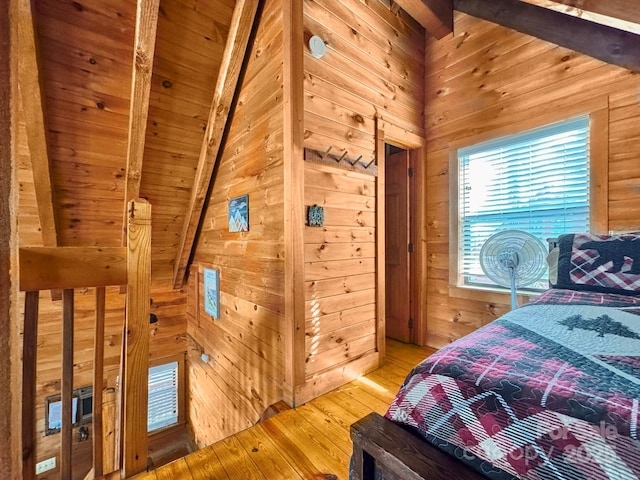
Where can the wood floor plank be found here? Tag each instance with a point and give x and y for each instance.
(365, 398)
(330, 428)
(310, 442)
(141, 476)
(176, 469)
(290, 449)
(235, 459)
(204, 464)
(265, 454)
(327, 459)
(374, 388)
(345, 418)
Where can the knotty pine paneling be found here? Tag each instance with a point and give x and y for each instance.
(245, 371)
(486, 77)
(190, 41)
(340, 280)
(373, 67)
(167, 338)
(86, 57)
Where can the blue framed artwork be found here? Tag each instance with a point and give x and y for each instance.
(212, 292)
(239, 214)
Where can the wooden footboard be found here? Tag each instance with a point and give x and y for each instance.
(378, 443)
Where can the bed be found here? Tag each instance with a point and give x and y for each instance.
(548, 391)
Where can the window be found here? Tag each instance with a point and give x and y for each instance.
(163, 396)
(537, 181)
(81, 408)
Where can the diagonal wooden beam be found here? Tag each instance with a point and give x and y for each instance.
(143, 51)
(599, 41)
(240, 30)
(31, 89)
(436, 16)
(614, 13)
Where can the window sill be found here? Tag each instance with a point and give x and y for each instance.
(490, 294)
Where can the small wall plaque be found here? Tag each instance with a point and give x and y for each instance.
(315, 216)
(239, 214)
(212, 292)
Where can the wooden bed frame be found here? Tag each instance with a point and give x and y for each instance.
(399, 454)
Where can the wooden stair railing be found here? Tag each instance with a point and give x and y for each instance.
(68, 268)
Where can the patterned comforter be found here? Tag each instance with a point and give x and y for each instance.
(548, 391)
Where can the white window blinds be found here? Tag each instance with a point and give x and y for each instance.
(537, 181)
(163, 396)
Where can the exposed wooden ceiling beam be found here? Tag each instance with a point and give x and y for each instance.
(436, 16)
(614, 13)
(144, 48)
(31, 89)
(599, 41)
(242, 22)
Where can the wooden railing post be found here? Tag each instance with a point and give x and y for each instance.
(29, 349)
(67, 383)
(136, 376)
(98, 382)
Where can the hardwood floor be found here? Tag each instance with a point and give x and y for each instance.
(309, 442)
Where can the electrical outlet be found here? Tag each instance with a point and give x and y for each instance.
(45, 465)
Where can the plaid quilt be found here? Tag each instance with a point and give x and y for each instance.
(548, 391)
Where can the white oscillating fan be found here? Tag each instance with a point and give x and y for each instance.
(513, 258)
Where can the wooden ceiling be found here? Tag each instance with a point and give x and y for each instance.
(101, 125)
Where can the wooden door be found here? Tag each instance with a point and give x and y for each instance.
(397, 246)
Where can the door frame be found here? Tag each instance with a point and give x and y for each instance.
(416, 145)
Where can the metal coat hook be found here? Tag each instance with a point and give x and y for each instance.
(371, 162)
(342, 157)
(326, 153)
(353, 164)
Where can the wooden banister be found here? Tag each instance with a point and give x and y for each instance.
(29, 350)
(136, 378)
(50, 268)
(67, 383)
(44, 268)
(98, 381)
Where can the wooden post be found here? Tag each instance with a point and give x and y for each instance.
(29, 349)
(98, 383)
(10, 342)
(67, 384)
(143, 54)
(293, 40)
(136, 378)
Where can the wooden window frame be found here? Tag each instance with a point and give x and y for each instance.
(598, 111)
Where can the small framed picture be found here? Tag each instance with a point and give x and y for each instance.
(212, 292)
(239, 214)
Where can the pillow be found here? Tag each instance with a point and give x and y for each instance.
(599, 263)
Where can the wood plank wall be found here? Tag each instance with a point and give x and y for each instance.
(340, 270)
(245, 371)
(486, 77)
(372, 69)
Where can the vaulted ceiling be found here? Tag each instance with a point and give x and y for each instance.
(95, 131)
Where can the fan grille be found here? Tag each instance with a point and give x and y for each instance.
(513, 247)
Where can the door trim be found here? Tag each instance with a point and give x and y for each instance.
(416, 146)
